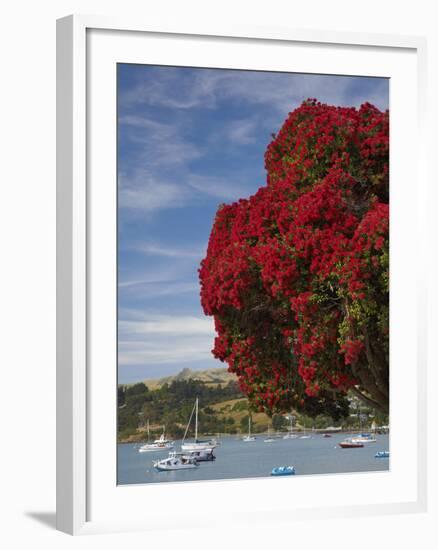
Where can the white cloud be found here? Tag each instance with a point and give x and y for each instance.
(162, 143)
(242, 132)
(165, 339)
(158, 289)
(141, 191)
(164, 352)
(205, 88)
(168, 324)
(157, 249)
(220, 187)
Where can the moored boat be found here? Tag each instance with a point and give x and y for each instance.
(290, 434)
(249, 437)
(161, 444)
(364, 438)
(350, 444)
(269, 439)
(283, 471)
(200, 456)
(197, 444)
(382, 454)
(176, 461)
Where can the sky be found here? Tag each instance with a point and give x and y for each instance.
(188, 140)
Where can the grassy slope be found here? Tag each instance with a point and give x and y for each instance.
(260, 421)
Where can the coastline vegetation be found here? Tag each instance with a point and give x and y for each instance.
(223, 409)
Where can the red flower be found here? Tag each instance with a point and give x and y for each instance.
(295, 274)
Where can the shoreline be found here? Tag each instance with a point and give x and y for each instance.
(137, 439)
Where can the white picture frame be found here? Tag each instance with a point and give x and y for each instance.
(81, 485)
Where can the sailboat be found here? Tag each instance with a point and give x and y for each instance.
(249, 437)
(197, 445)
(161, 444)
(305, 435)
(363, 437)
(269, 439)
(290, 435)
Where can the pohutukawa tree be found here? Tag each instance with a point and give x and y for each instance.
(296, 276)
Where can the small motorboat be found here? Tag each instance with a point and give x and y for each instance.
(364, 438)
(176, 461)
(326, 435)
(382, 454)
(283, 471)
(350, 444)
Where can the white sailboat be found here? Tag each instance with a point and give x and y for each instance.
(161, 444)
(269, 439)
(305, 435)
(290, 435)
(249, 437)
(197, 445)
(363, 437)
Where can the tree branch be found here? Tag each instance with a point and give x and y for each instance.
(368, 400)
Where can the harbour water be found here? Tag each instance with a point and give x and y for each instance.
(236, 459)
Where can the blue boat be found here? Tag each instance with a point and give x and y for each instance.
(283, 471)
(382, 454)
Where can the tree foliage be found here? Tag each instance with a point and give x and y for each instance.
(296, 276)
(171, 405)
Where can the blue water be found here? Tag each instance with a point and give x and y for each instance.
(237, 459)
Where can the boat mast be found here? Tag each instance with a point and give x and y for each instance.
(188, 424)
(196, 421)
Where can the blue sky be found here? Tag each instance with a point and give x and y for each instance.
(189, 140)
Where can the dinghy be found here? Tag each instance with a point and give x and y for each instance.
(382, 454)
(283, 471)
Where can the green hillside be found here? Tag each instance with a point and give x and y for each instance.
(222, 408)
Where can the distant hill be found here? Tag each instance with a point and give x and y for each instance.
(169, 401)
(210, 377)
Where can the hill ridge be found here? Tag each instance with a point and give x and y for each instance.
(212, 376)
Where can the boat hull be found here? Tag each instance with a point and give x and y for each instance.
(201, 456)
(170, 467)
(207, 447)
(151, 448)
